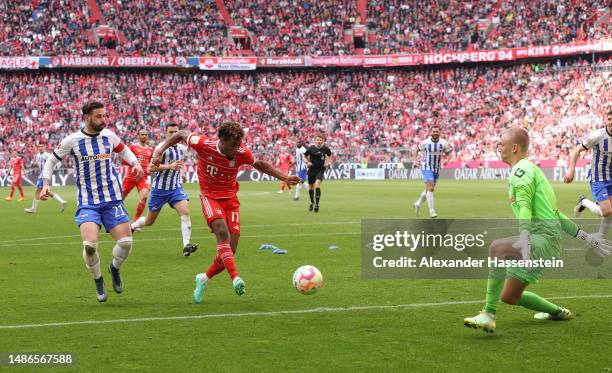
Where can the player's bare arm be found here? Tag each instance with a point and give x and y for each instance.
(45, 192)
(180, 136)
(268, 169)
(415, 159)
(176, 166)
(572, 166)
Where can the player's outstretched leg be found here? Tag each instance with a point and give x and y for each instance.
(546, 310)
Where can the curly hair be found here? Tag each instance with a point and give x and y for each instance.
(230, 130)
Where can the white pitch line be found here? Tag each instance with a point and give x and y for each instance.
(278, 313)
(209, 237)
(195, 228)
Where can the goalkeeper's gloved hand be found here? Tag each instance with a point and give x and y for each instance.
(599, 245)
(524, 244)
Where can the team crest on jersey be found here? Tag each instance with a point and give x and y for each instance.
(210, 158)
(218, 211)
(232, 163)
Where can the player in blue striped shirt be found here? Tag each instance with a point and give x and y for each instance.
(41, 159)
(600, 141)
(167, 187)
(98, 191)
(432, 149)
(300, 168)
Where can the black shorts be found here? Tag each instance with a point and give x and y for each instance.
(315, 174)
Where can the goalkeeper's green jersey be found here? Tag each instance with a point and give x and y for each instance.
(534, 202)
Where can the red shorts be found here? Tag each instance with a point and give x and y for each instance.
(227, 209)
(129, 183)
(16, 180)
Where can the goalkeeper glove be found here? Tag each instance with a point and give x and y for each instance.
(599, 245)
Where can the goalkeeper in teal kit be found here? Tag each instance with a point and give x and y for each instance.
(541, 226)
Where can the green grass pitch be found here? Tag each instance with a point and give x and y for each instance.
(348, 326)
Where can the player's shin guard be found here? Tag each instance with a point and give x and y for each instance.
(317, 195)
(224, 250)
(215, 268)
(139, 209)
(495, 284)
(186, 229)
(535, 302)
(604, 226)
(91, 258)
(121, 251)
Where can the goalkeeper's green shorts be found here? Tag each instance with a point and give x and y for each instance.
(542, 247)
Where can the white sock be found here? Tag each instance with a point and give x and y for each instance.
(421, 198)
(121, 251)
(592, 206)
(92, 262)
(58, 198)
(297, 190)
(430, 200)
(139, 223)
(604, 226)
(186, 229)
(204, 278)
(35, 204)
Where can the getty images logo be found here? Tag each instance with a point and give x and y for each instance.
(412, 241)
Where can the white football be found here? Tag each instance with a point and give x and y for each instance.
(307, 279)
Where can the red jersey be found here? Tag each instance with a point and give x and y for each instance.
(284, 161)
(216, 173)
(16, 165)
(144, 155)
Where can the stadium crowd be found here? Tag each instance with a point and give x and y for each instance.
(366, 114)
(42, 28)
(178, 28)
(282, 27)
(408, 26)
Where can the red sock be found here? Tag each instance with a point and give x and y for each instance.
(215, 268)
(12, 191)
(224, 250)
(283, 186)
(139, 209)
(21, 191)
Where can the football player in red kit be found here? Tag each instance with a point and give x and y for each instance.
(284, 163)
(16, 166)
(143, 152)
(218, 163)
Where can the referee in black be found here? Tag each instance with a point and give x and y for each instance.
(317, 158)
